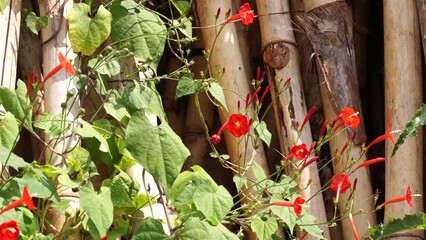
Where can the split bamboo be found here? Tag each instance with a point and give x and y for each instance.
(10, 22)
(55, 39)
(403, 95)
(278, 44)
(328, 25)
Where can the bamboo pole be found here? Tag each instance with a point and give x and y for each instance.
(403, 94)
(231, 52)
(279, 43)
(329, 29)
(10, 22)
(55, 39)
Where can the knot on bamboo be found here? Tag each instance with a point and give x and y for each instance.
(276, 54)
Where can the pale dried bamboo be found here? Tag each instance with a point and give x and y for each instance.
(403, 95)
(331, 37)
(56, 89)
(10, 22)
(279, 43)
(231, 52)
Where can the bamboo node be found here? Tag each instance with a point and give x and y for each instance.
(276, 53)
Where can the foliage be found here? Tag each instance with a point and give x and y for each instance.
(419, 119)
(397, 225)
(120, 45)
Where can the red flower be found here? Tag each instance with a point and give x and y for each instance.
(355, 232)
(63, 64)
(245, 14)
(308, 116)
(25, 199)
(9, 230)
(32, 78)
(370, 162)
(407, 197)
(383, 137)
(340, 183)
(299, 152)
(350, 117)
(297, 205)
(238, 125)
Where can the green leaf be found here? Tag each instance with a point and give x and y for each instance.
(262, 132)
(9, 131)
(307, 223)
(52, 124)
(3, 4)
(411, 127)
(264, 229)
(123, 190)
(239, 181)
(35, 23)
(150, 229)
(142, 97)
(397, 225)
(17, 103)
(193, 229)
(88, 33)
(220, 232)
(217, 92)
(214, 205)
(88, 131)
(184, 26)
(157, 148)
(286, 214)
(186, 178)
(99, 209)
(140, 30)
(38, 184)
(11, 159)
(109, 67)
(182, 6)
(187, 85)
(186, 197)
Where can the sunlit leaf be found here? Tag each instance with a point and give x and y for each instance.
(263, 227)
(217, 92)
(397, 225)
(87, 32)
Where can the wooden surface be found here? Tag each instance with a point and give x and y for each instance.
(329, 29)
(290, 108)
(403, 95)
(10, 22)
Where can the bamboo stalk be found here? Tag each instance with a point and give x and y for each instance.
(403, 94)
(329, 29)
(10, 22)
(55, 37)
(231, 52)
(279, 43)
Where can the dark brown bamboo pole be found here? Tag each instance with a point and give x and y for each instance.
(328, 26)
(403, 95)
(281, 59)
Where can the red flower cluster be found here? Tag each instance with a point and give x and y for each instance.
(237, 124)
(246, 15)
